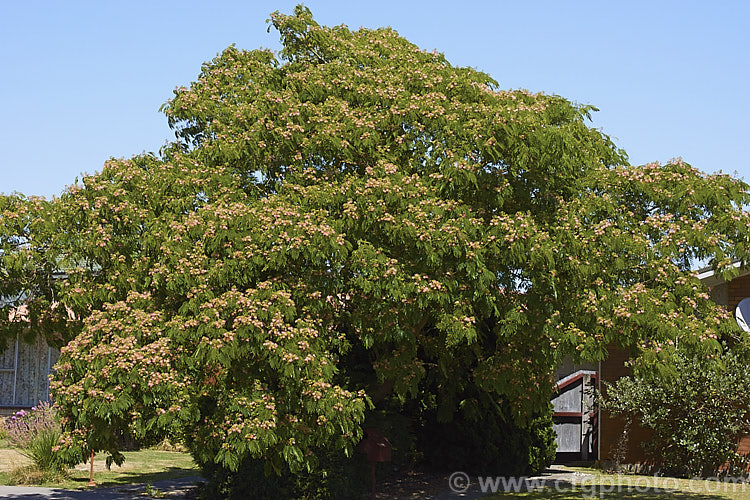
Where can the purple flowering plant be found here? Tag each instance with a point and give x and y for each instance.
(24, 426)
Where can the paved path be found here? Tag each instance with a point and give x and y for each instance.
(171, 488)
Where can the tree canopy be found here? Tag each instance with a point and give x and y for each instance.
(352, 220)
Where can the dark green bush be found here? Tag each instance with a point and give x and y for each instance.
(492, 445)
(697, 407)
(541, 443)
(336, 477)
(399, 428)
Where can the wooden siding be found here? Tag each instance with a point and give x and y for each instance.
(574, 416)
(7, 372)
(24, 373)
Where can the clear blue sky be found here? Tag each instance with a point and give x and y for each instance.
(83, 81)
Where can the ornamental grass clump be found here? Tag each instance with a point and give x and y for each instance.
(3, 431)
(35, 433)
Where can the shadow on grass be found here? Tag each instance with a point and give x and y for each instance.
(117, 478)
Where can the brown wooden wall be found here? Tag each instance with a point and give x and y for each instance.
(739, 288)
(611, 427)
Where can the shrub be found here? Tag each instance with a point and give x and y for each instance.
(335, 477)
(167, 445)
(540, 443)
(36, 433)
(399, 426)
(494, 444)
(33, 475)
(697, 407)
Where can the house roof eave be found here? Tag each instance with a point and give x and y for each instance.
(708, 276)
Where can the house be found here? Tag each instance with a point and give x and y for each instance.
(24, 372)
(584, 433)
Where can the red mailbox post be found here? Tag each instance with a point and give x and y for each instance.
(377, 448)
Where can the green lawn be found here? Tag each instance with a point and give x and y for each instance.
(143, 466)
